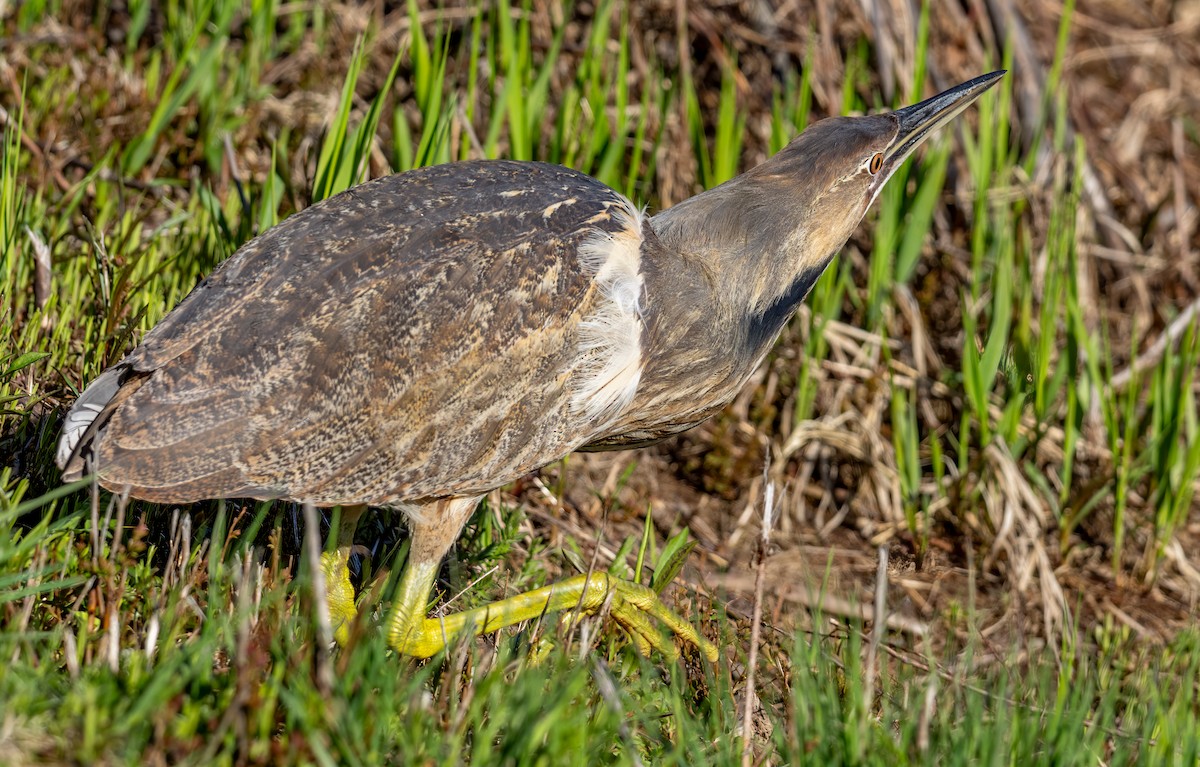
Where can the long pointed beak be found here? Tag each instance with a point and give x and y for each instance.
(918, 121)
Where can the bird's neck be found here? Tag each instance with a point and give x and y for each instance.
(704, 334)
(764, 325)
(760, 255)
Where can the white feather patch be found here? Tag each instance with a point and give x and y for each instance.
(90, 404)
(610, 339)
(76, 424)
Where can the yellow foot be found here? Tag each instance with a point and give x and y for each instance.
(339, 592)
(634, 607)
(335, 563)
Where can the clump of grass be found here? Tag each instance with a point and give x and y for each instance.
(210, 656)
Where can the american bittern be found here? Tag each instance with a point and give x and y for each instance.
(425, 338)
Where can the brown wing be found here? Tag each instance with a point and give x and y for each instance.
(413, 337)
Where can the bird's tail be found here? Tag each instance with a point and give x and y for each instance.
(86, 419)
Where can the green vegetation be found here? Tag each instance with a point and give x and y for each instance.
(993, 405)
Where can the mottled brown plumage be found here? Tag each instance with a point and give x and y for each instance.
(411, 339)
(424, 338)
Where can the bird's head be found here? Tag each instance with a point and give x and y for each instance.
(773, 230)
(833, 171)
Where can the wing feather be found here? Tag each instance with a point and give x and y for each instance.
(415, 337)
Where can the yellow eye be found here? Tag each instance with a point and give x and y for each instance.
(876, 163)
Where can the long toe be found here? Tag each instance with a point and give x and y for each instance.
(637, 608)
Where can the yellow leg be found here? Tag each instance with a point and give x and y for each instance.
(633, 606)
(336, 565)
